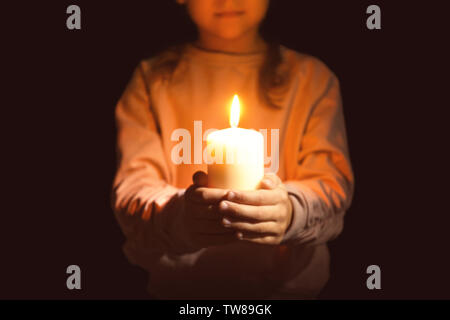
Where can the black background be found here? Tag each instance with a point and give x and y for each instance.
(58, 134)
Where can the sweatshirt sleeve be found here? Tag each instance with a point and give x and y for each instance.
(322, 188)
(148, 209)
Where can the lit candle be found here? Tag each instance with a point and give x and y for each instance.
(236, 155)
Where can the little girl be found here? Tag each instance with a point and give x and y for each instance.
(208, 243)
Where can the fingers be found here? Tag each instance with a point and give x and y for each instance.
(200, 179)
(208, 195)
(261, 228)
(266, 195)
(249, 212)
(267, 239)
(201, 211)
(256, 197)
(199, 191)
(253, 216)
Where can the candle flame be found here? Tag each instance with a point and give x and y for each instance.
(234, 113)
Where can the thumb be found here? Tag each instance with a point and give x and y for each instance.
(270, 181)
(200, 179)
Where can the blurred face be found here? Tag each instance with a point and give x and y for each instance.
(226, 19)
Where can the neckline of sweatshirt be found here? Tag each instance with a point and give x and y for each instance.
(198, 54)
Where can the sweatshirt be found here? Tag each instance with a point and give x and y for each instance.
(314, 165)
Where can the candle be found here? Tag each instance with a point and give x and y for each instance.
(236, 155)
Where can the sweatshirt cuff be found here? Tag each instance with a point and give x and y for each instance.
(299, 215)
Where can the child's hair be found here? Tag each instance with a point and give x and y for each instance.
(270, 76)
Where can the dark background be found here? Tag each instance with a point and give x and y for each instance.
(59, 136)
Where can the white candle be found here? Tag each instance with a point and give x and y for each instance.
(237, 155)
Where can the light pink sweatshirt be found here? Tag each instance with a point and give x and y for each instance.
(149, 188)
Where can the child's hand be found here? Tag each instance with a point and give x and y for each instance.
(203, 218)
(260, 216)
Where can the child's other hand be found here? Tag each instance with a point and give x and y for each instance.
(203, 218)
(260, 216)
